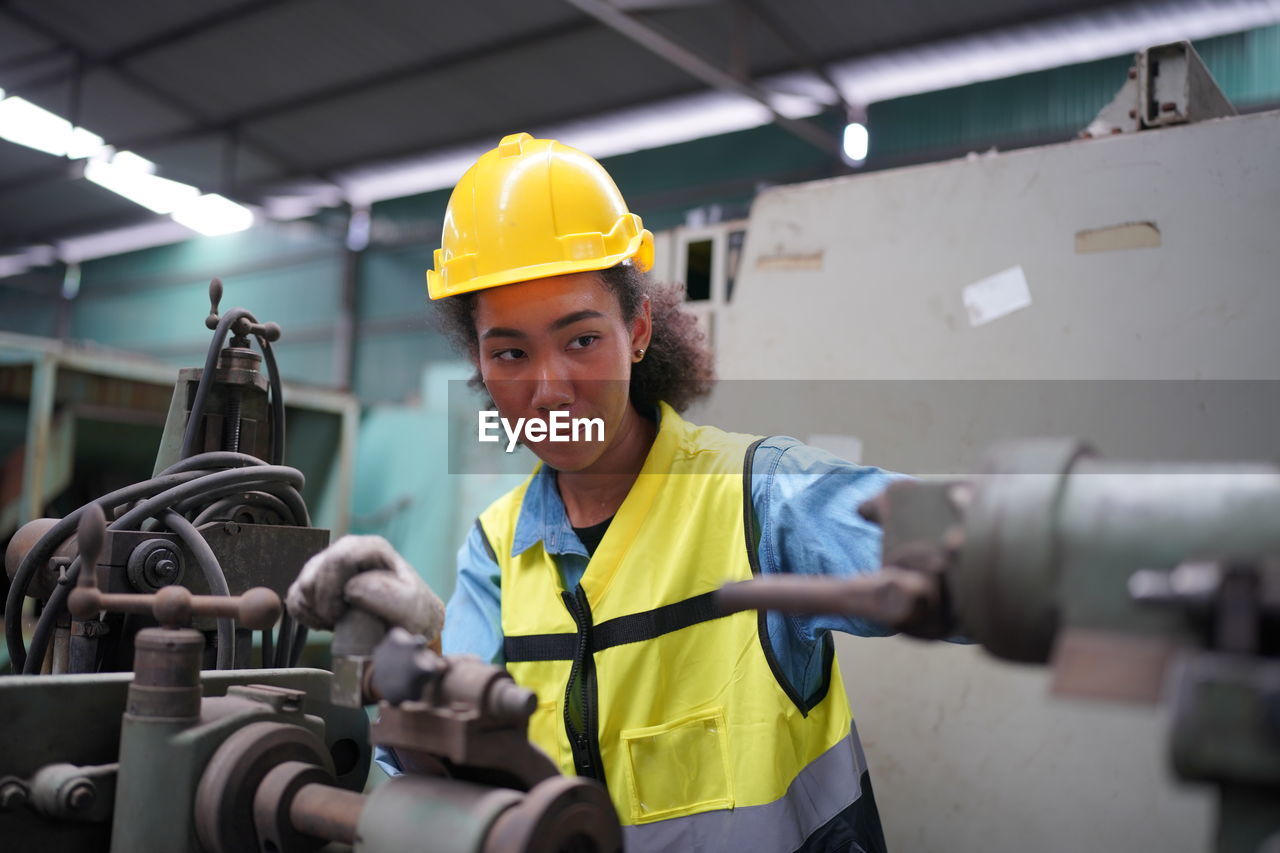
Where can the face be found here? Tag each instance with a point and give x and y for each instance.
(559, 344)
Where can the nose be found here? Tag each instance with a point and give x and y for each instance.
(552, 388)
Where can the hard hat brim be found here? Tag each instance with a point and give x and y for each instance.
(639, 251)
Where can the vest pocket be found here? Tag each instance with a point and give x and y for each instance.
(678, 768)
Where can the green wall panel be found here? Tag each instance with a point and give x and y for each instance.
(389, 366)
(27, 313)
(393, 282)
(268, 243)
(1054, 104)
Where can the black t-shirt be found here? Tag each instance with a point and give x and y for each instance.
(592, 535)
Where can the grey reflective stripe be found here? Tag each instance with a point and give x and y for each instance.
(828, 786)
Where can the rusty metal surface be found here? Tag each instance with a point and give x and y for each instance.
(563, 813)
(281, 821)
(46, 577)
(224, 804)
(77, 718)
(326, 812)
(455, 714)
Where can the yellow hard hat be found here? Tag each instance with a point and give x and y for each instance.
(533, 208)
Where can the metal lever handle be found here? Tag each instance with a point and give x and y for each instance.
(891, 597)
(173, 606)
(242, 327)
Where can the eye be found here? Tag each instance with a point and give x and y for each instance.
(583, 341)
(507, 354)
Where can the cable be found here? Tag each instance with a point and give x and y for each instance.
(53, 538)
(206, 379)
(256, 498)
(214, 485)
(299, 642)
(214, 577)
(212, 460)
(277, 402)
(267, 650)
(285, 643)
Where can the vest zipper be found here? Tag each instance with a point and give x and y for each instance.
(584, 742)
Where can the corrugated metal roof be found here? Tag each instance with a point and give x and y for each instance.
(297, 89)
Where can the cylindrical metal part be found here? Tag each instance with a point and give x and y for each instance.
(511, 703)
(357, 634)
(560, 813)
(889, 597)
(228, 809)
(320, 821)
(327, 812)
(166, 681)
(46, 577)
(403, 813)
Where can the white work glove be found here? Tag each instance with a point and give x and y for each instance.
(365, 572)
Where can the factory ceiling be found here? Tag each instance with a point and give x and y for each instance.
(259, 99)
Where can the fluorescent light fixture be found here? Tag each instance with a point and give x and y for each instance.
(35, 127)
(212, 214)
(125, 174)
(83, 143)
(128, 161)
(856, 140)
(13, 264)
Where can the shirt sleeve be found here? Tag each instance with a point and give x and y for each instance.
(806, 508)
(807, 501)
(473, 617)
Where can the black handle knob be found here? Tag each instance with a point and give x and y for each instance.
(215, 296)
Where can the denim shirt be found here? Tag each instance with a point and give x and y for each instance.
(806, 509)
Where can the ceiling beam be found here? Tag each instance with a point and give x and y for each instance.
(157, 92)
(665, 47)
(789, 37)
(358, 86)
(234, 123)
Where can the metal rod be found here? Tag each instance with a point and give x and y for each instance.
(889, 597)
(326, 812)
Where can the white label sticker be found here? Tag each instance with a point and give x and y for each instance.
(847, 447)
(994, 297)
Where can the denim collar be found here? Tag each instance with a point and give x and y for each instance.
(543, 517)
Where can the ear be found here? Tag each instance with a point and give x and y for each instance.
(642, 326)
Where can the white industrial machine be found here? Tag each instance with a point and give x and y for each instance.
(909, 318)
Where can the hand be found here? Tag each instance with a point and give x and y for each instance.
(367, 573)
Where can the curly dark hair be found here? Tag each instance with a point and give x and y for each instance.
(677, 367)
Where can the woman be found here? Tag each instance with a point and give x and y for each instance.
(591, 581)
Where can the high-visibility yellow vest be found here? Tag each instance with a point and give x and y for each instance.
(682, 714)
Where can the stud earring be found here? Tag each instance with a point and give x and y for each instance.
(640, 354)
